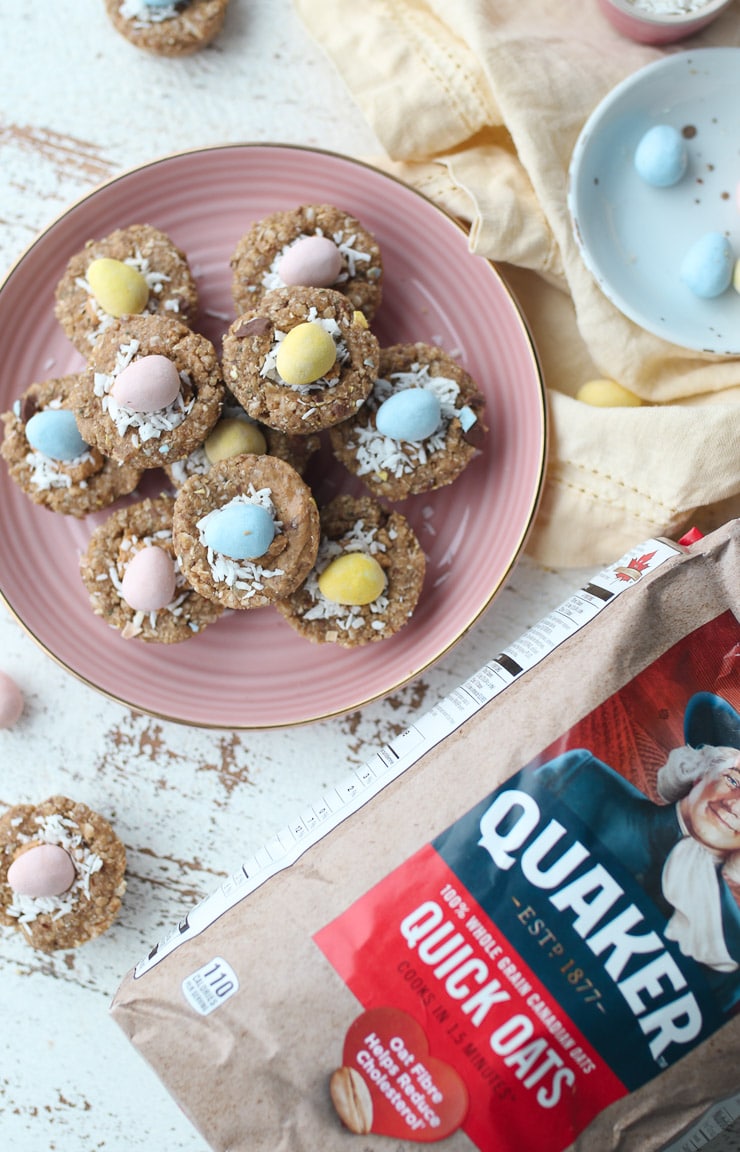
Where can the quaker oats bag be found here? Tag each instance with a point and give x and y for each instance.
(517, 927)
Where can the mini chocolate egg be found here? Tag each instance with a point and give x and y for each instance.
(306, 353)
(149, 583)
(607, 394)
(11, 701)
(352, 578)
(55, 434)
(234, 437)
(412, 414)
(239, 530)
(314, 261)
(44, 870)
(708, 265)
(148, 384)
(661, 157)
(119, 288)
(736, 276)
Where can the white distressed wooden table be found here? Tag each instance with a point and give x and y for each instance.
(77, 105)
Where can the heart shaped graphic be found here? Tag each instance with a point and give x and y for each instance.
(390, 1085)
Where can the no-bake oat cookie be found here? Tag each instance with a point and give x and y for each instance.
(302, 361)
(134, 579)
(420, 428)
(151, 392)
(178, 28)
(317, 245)
(68, 476)
(247, 532)
(134, 270)
(62, 873)
(364, 550)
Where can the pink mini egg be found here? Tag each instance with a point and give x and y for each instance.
(11, 701)
(46, 870)
(149, 580)
(314, 261)
(148, 384)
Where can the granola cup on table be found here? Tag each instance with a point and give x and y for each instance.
(421, 427)
(316, 245)
(151, 392)
(300, 361)
(367, 578)
(62, 873)
(247, 532)
(49, 460)
(133, 271)
(134, 580)
(168, 27)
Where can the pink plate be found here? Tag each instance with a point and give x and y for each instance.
(250, 669)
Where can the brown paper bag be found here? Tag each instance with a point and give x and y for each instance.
(513, 930)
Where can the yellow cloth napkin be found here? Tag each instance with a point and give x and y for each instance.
(478, 104)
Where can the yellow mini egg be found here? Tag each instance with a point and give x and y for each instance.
(352, 578)
(306, 353)
(119, 289)
(233, 437)
(736, 276)
(607, 394)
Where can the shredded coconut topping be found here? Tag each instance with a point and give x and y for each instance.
(143, 13)
(155, 280)
(57, 829)
(378, 453)
(148, 425)
(47, 473)
(668, 7)
(345, 616)
(196, 464)
(246, 575)
(269, 368)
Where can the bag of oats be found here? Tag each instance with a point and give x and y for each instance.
(516, 927)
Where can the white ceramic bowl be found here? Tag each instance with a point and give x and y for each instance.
(650, 28)
(633, 236)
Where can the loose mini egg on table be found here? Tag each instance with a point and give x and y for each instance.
(11, 701)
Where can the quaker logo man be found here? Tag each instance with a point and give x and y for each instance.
(677, 850)
(630, 890)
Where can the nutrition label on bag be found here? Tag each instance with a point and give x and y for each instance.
(390, 761)
(718, 1130)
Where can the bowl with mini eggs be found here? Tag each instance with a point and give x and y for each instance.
(654, 198)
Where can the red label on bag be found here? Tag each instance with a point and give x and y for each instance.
(458, 999)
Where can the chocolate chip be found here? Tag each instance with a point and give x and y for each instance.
(255, 327)
(29, 408)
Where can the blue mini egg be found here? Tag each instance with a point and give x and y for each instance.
(708, 265)
(240, 531)
(55, 434)
(412, 414)
(661, 157)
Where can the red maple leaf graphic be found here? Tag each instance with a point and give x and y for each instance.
(638, 565)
